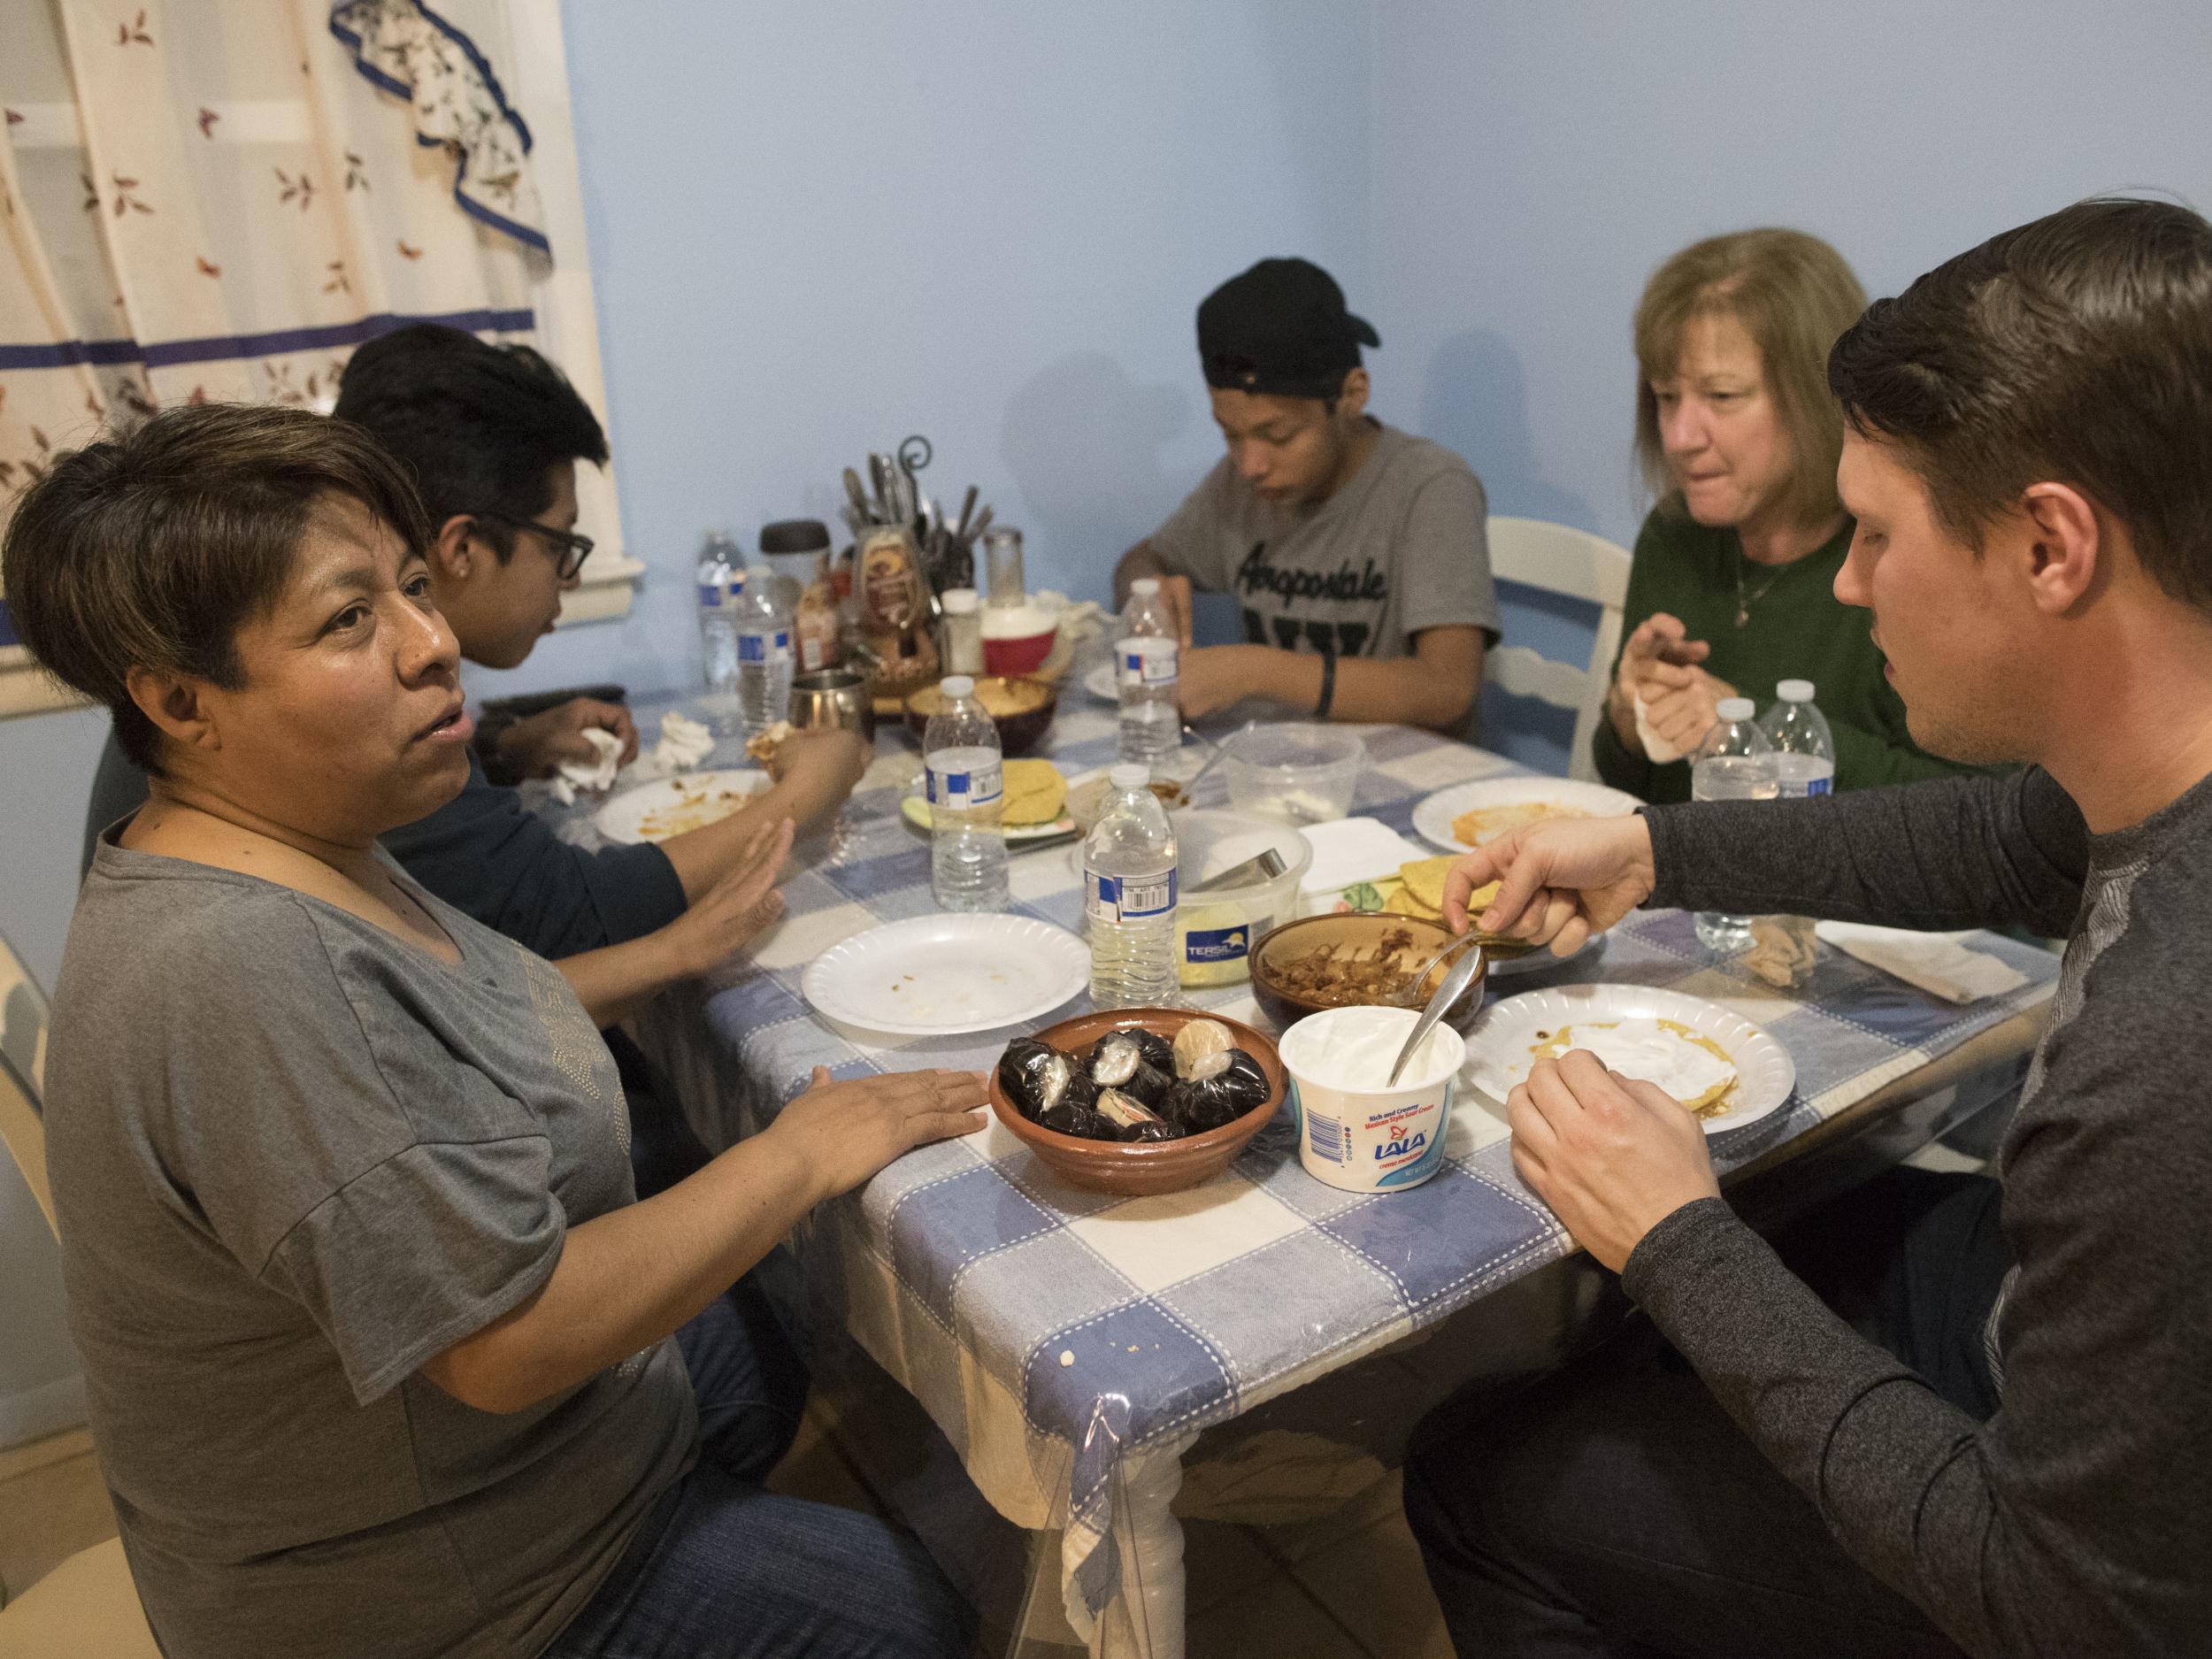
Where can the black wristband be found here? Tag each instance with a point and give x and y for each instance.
(1328, 686)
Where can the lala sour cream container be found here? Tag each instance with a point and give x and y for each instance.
(1355, 1130)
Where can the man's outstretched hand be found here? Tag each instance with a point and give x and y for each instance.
(1560, 880)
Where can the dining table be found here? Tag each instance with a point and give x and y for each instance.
(1072, 1348)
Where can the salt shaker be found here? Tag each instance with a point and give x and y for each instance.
(963, 630)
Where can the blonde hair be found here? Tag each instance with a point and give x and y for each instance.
(1794, 295)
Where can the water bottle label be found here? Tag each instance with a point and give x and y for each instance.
(1205, 946)
(711, 595)
(1150, 663)
(959, 791)
(1820, 785)
(1129, 898)
(772, 648)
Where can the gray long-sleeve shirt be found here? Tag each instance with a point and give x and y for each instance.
(2078, 1520)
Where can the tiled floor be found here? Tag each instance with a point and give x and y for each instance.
(1349, 1587)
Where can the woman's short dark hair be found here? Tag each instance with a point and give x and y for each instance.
(2076, 350)
(481, 426)
(153, 548)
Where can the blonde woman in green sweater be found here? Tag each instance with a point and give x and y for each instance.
(1731, 589)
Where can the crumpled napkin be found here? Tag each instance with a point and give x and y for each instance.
(684, 743)
(1939, 963)
(572, 775)
(1657, 748)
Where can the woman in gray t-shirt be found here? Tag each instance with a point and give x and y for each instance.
(384, 1356)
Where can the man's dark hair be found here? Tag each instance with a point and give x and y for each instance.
(2076, 350)
(479, 426)
(152, 551)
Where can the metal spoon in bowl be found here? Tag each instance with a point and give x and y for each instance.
(1455, 986)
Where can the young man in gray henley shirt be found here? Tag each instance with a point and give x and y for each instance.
(1985, 1425)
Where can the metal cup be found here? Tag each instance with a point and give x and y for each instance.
(834, 700)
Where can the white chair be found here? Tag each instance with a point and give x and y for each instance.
(86, 1605)
(1579, 565)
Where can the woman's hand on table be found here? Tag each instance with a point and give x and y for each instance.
(1560, 880)
(848, 1131)
(725, 917)
(1612, 1156)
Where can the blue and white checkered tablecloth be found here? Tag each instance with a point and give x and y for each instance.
(1071, 1345)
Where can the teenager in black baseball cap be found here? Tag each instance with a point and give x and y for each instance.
(1355, 550)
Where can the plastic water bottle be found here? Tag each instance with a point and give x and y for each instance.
(1129, 892)
(1734, 763)
(764, 651)
(1804, 748)
(967, 848)
(1145, 668)
(718, 556)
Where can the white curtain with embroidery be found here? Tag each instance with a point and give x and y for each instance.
(220, 199)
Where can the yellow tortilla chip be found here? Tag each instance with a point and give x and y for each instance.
(1424, 883)
(1034, 790)
(1406, 902)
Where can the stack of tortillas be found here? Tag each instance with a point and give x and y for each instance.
(1422, 890)
(1034, 792)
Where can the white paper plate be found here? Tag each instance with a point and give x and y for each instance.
(1099, 681)
(1498, 1043)
(655, 811)
(941, 975)
(1432, 819)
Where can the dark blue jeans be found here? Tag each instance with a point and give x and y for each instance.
(722, 1570)
(1616, 1510)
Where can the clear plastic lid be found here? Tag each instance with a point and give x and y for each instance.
(1129, 775)
(1730, 709)
(957, 686)
(957, 602)
(1795, 691)
(1144, 586)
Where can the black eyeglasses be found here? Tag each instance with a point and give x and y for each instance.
(570, 550)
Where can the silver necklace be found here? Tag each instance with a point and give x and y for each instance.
(1745, 602)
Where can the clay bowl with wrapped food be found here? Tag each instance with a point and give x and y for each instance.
(1138, 1101)
(1020, 705)
(1352, 961)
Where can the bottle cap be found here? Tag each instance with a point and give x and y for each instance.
(794, 535)
(958, 602)
(958, 685)
(1795, 691)
(1734, 709)
(1145, 586)
(1129, 775)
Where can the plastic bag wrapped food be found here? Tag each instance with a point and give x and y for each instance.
(1137, 1063)
(1038, 1080)
(1221, 1088)
(1129, 1119)
(1198, 1039)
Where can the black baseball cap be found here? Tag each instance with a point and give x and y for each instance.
(1280, 329)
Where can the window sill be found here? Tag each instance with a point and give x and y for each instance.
(26, 688)
(608, 585)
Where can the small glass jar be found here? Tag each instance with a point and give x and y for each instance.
(962, 643)
(1003, 581)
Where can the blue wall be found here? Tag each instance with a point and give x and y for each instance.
(1532, 164)
(816, 228)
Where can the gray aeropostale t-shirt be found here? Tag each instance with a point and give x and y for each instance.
(293, 1158)
(1400, 548)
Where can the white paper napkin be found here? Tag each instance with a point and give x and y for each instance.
(1349, 850)
(1939, 963)
(598, 774)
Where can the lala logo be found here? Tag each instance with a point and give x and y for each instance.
(1403, 1149)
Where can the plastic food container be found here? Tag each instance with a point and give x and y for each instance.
(1215, 932)
(1363, 1137)
(1297, 773)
